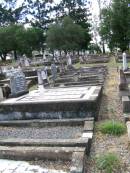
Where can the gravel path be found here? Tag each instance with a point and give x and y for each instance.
(60, 132)
(111, 108)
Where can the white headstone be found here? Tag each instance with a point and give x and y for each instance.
(125, 66)
(1, 94)
(40, 80)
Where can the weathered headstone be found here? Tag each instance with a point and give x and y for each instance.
(125, 66)
(1, 94)
(123, 85)
(40, 81)
(53, 71)
(26, 61)
(17, 83)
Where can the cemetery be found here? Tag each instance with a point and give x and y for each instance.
(64, 86)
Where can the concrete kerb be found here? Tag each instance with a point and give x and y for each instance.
(50, 123)
(38, 153)
(68, 149)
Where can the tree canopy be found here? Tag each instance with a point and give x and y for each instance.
(115, 25)
(65, 35)
(20, 40)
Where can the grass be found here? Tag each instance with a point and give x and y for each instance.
(34, 87)
(109, 163)
(112, 127)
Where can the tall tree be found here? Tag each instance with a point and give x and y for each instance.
(65, 35)
(20, 40)
(121, 23)
(10, 13)
(41, 12)
(78, 11)
(105, 29)
(115, 25)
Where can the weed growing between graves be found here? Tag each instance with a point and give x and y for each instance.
(112, 127)
(108, 162)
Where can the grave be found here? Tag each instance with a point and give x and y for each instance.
(53, 103)
(70, 145)
(54, 124)
(17, 83)
(89, 76)
(92, 58)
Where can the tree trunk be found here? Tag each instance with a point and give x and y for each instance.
(103, 47)
(15, 55)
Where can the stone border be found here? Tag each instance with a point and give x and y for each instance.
(126, 104)
(73, 150)
(41, 123)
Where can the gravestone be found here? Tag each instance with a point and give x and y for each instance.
(53, 71)
(17, 83)
(125, 66)
(1, 94)
(123, 85)
(40, 81)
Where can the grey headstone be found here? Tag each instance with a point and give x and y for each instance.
(1, 94)
(17, 82)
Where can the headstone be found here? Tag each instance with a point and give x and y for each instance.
(1, 94)
(69, 61)
(27, 64)
(17, 83)
(123, 85)
(40, 81)
(53, 71)
(125, 66)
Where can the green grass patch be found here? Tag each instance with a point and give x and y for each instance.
(34, 87)
(109, 163)
(112, 128)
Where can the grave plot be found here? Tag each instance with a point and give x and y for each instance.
(52, 125)
(90, 59)
(124, 93)
(119, 58)
(65, 102)
(49, 142)
(90, 76)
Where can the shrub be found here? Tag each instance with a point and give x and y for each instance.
(113, 128)
(108, 163)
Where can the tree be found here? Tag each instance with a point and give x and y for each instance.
(28, 40)
(105, 29)
(120, 23)
(115, 25)
(10, 13)
(41, 12)
(65, 35)
(78, 11)
(20, 40)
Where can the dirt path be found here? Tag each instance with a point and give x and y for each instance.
(111, 108)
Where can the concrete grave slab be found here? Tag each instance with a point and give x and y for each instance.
(66, 102)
